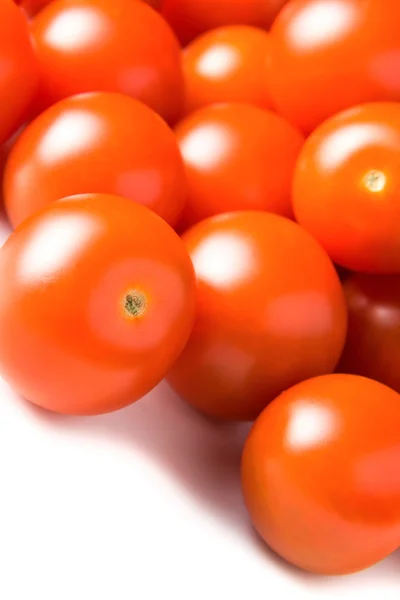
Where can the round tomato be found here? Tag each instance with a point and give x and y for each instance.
(331, 55)
(237, 157)
(189, 18)
(346, 189)
(108, 45)
(321, 477)
(98, 142)
(373, 340)
(271, 312)
(98, 299)
(18, 76)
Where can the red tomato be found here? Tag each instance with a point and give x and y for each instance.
(97, 302)
(373, 340)
(18, 69)
(321, 475)
(189, 18)
(108, 45)
(98, 142)
(237, 157)
(228, 64)
(331, 55)
(271, 312)
(346, 189)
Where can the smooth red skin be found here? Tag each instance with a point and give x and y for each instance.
(237, 157)
(321, 477)
(98, 142)
(373, 341)
(19, 76)
(32, 7)
(228, 64)
(270, 313)
(329, 56)
(190, 18)
(358, 226)
(66, 342)
(108, 45)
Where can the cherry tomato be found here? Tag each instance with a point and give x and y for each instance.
(98, 142)
(98, 300)
(373, 340)
(108, 45)
(333, 54)
(237, 157)
(190, 18)
(346, 189)
(18, 69)
(271, 312)
(321, 475)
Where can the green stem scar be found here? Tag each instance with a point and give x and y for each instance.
(135, 304)
(375, 181)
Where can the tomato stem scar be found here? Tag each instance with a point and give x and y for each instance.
(135, 304)
(375, 181)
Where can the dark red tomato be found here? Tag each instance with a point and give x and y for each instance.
(98, 142)
(97, 301)
(321, 475)
(108, 45)
(333, 54)
(271, 312)
(346, 189)
(373, 340)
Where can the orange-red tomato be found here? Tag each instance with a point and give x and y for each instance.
(346, 189)
(108, 45)
(98, 142)
(330, 55)
(237, 157)
(98, 300)
(18, 69)
(228, 64)
(271, 312)
(321, 475)
(373, 340)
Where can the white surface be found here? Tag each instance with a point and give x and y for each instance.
(143, 504)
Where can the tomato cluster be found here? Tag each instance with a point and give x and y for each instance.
(209, 192)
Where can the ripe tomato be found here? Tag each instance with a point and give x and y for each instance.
(18, 69)
(228, 64)
(331, 55)
(189, 18)
(98, 299)
(346, 189)
(321, 477)
(98, 142)
(271, 312)
(108, 45)
(237, 157)
(373, 340)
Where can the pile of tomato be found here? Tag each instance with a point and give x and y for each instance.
(209, 192)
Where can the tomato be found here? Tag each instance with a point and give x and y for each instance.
(32, 7)
(189, 18)
(271, 312)
(321, 477)
(346, 189)
(228, 64)
(108, 45)
(373, 340)
(18, 77)
(98, 300)
(237, 157)
(330, 55)
(98, 142)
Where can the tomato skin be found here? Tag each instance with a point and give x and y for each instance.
(105, 45)
(67, 341)
(98, 142)
(32, 7)
(270, 313)
(346, 187)
(329, 56)
(320, 474)
(237, 157)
